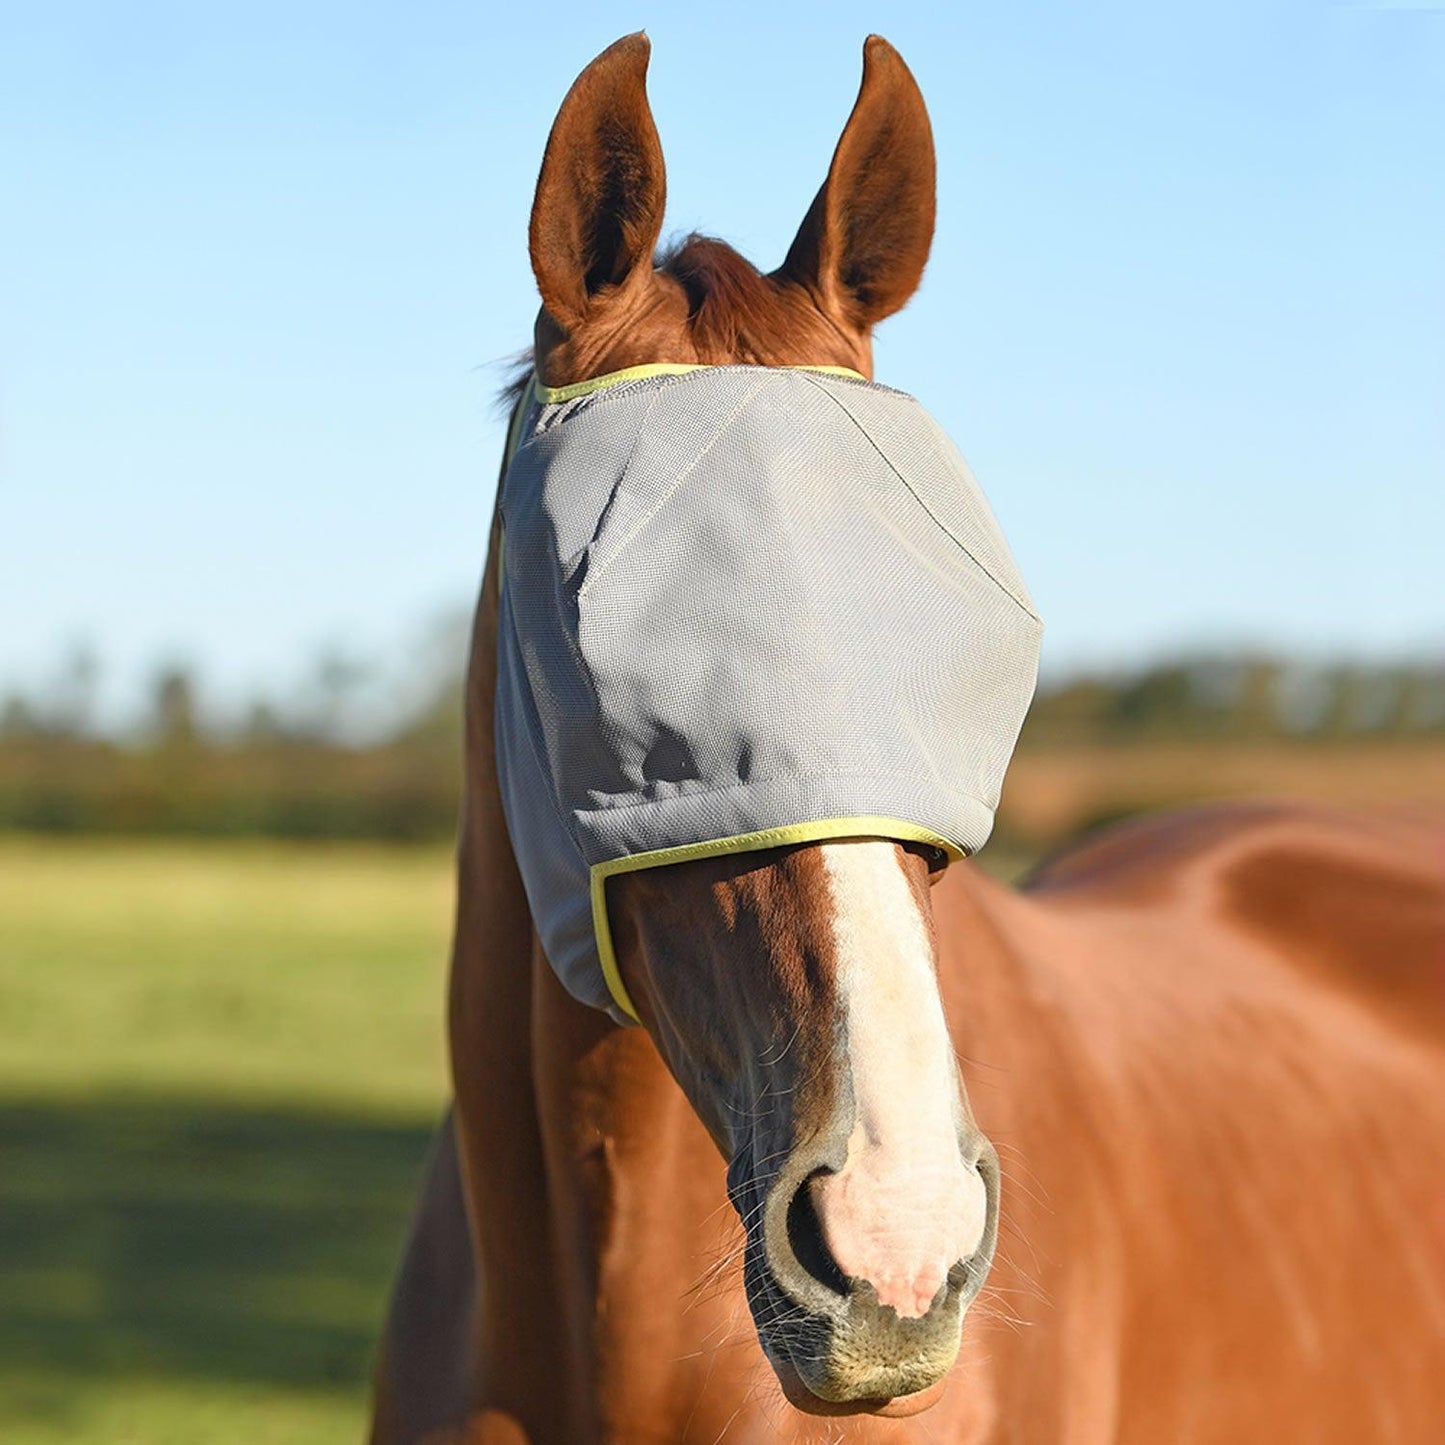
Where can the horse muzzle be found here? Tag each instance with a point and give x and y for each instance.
(841, 1343)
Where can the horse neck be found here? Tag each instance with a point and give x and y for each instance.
(1012, 994)
(499, 974)
(540, 1081)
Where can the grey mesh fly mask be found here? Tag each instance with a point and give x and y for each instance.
(742, 607)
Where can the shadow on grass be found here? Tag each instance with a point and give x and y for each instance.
(197, 1240)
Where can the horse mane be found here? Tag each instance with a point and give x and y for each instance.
(736, 312)
(519, 377)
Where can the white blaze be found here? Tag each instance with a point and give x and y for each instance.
(904, 1208)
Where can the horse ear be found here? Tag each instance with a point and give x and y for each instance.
(865, 240)
(600, 195)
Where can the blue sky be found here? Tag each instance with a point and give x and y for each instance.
(1185, 313)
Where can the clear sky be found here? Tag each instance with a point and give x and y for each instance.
(1185, 313)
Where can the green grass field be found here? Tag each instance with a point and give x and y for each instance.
(220, 1066)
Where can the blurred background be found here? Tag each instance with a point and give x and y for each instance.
(264, 270)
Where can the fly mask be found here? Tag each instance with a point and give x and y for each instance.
(742, 607)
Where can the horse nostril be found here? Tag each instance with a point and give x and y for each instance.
(805, 1237)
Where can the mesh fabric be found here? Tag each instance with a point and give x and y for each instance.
(740, 599)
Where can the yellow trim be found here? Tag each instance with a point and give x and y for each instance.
(551, 395)
(867, 826)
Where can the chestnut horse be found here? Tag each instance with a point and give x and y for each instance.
(1207, 1047)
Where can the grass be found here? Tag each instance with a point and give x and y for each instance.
(220, 1067)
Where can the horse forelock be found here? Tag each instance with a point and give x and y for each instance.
(737, 313)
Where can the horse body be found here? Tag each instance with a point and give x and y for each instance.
(1222, 1152)
(1223, 1226)
(1209, 1049)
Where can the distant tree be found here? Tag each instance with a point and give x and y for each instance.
(264, 725)
(173, 707)
(1422, 700)
(1362, 699)
(337, 677)
(1257, 704)
(72, 706)
(19, 721)
(1079, 710)
(433, 711)
(1159, 701)
(1304, 699)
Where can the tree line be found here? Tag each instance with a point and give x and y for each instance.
(330, 763)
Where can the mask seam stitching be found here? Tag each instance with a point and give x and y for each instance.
(673, 488)
(616, 492)
(932, 515)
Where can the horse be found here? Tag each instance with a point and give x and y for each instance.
(1194, 1189)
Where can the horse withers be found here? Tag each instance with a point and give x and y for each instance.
(1207, 1048)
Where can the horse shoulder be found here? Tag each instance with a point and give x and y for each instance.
(1350, 905)
(1201, 1025)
